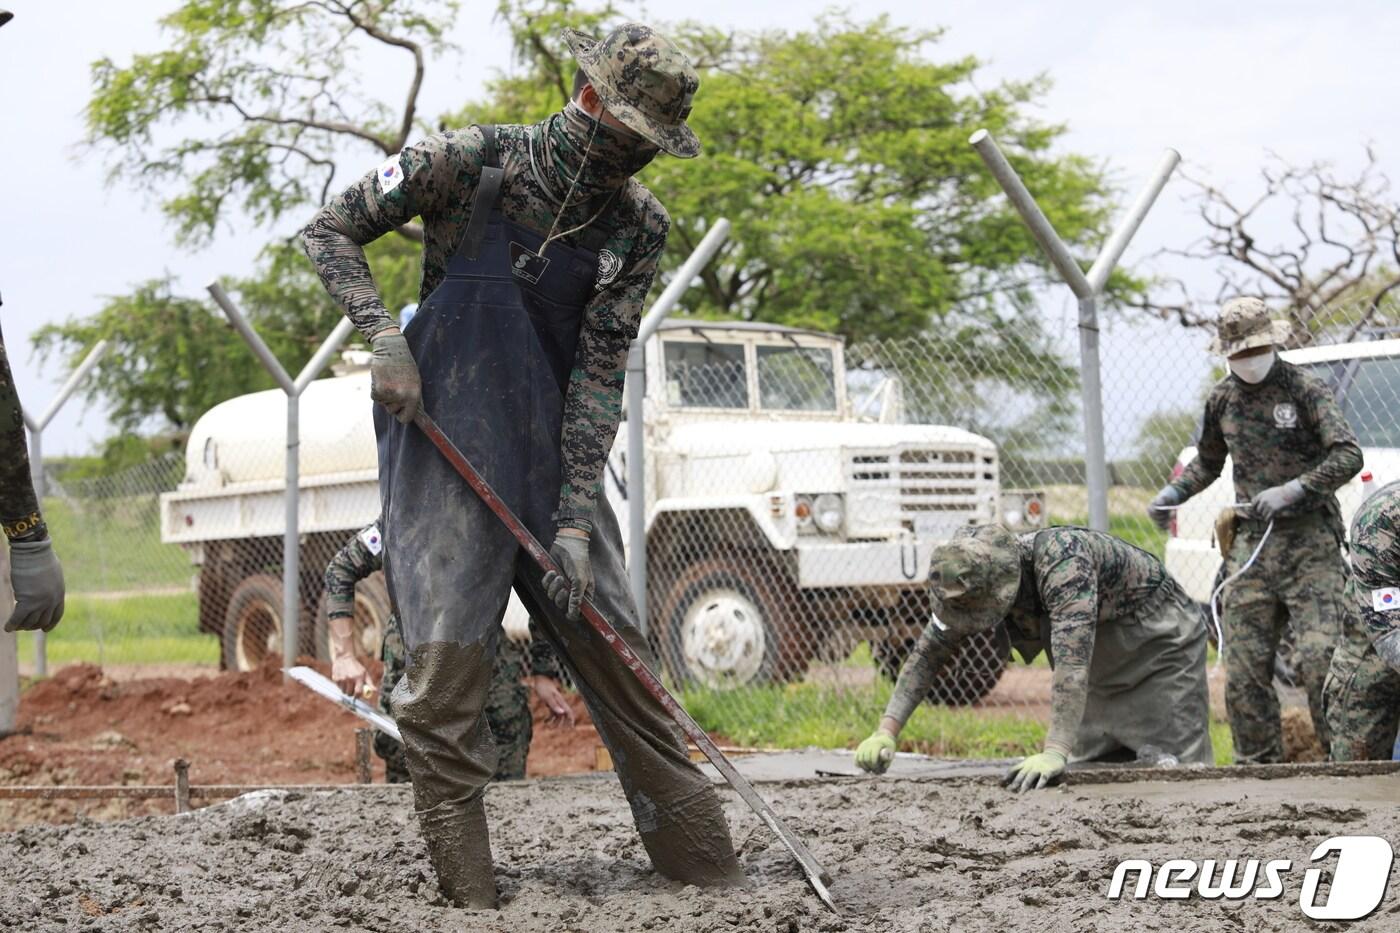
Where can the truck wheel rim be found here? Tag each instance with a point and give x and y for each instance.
(259, 635)
(723, 638)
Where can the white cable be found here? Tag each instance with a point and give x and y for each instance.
(1214, 597)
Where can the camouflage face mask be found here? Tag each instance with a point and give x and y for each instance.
(601, 157)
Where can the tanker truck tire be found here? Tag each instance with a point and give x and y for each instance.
(252, 630)
(371, 620)
(973, 673)
(728, 622)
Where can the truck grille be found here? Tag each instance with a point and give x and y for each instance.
(927, 480)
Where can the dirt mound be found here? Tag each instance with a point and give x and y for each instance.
(905, 855)
(82, 727)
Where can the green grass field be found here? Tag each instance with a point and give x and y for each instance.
(114, 544)
(144, 629)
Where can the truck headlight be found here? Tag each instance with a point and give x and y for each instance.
(829, 512)
(802, 511)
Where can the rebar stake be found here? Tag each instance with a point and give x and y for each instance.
(363, 738)
(182, 786)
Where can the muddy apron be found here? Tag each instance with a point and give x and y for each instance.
(495, 350)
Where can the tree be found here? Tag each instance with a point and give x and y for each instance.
(1323, 248)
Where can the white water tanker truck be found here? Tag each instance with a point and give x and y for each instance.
(783, 521)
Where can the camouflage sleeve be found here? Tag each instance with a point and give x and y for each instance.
(351, 564)
(19, 507)
(1343, 460)
(593, 403)
(1375, 567)
(541, 660)
(931, 654)
(435, 175)
(1211, 452)
(1067, 579)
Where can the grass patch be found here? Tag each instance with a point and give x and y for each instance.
(114, 544)
(146, 629)
(799, 715)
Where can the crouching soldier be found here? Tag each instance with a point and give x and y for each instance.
(1362, 694)
(1127, 645)
(508, 697)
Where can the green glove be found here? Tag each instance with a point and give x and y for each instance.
(1036, 771)
(574, 581)
(393, 377)
(37, 579)
(876, 753)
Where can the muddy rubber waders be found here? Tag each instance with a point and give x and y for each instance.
(495, 350)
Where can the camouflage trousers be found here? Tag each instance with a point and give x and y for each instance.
(507, 707)
(1362, 697)
(1298, 580)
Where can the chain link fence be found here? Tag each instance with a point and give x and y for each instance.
(796, 488)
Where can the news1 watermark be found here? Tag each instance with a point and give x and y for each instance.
(1357, 886)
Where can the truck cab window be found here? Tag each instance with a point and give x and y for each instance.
(796, 379)
(706, 375)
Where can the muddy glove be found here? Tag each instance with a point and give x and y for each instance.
(574, 581)
(1036, 771)
(1159, 508)
(876, 753)
(1275, 499)
(393, 377)
(37, 580)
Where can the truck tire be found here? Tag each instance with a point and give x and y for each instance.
(371, 620)
(727, 622)
(973, 673)
(252, 629)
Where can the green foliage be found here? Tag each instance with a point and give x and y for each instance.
(1161, 439)
(258, 96)
(138, 629)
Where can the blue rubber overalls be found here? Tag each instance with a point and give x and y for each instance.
(495, 351)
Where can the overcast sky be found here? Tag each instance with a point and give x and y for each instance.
(1222, 83)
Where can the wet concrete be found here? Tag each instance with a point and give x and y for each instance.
(907, 855)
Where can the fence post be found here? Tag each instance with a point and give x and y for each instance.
(1087, 289)
(291, 488)
(36, 465)
(636, 446)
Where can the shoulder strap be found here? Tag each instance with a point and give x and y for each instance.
(488, 189)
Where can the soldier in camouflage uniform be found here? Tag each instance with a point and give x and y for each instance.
(1362, 694)
(1292, 448)
(507, 700)
(538, 250)
(35, 574)
(1127, 645)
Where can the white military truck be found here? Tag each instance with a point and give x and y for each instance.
(1365, 377)
(787, 505)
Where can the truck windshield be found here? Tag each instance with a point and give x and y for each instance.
(796, 379)
(706, 375)
(1369, 393)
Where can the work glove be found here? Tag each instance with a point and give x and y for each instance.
(1275, 499)
(1036, 772)
(37, 579)
(393, 377)
(573, 582)
(876, 753)
(1159, 509)
(551, 695)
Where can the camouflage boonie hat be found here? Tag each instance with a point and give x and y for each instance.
(1245, 325)
(644, 81)
(974, 578)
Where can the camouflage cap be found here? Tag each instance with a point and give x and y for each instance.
(644, 81)
(974, 578)
(1245, 325)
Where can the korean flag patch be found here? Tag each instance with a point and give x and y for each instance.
(390, 174)
(372, 539)
(1386, 600)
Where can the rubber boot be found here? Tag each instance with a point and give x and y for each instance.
(459, 846)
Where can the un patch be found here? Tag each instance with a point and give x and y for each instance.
(1285, 415)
